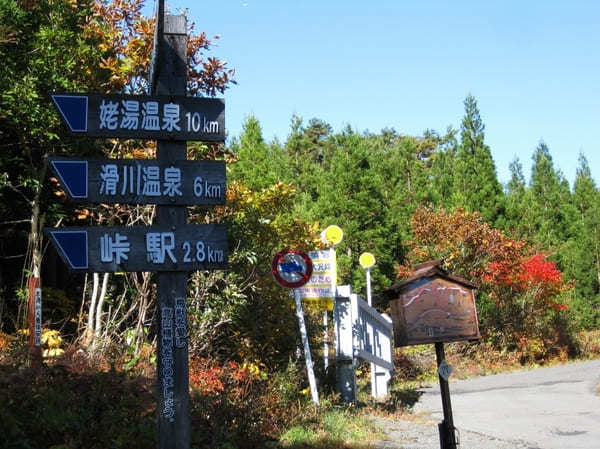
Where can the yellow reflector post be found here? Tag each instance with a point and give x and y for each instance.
(366, 260)
(334, 234)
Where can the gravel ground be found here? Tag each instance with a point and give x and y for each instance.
(553, 407)
(421, 432)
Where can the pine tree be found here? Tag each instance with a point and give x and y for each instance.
(441, 171)
(476, 185)
(550, 211)
(257, 162)
(585, 256)
(352, 196)
(515, 194)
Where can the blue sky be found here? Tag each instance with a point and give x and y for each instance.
(534, 68)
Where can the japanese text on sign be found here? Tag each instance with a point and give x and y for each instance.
(151, 181)
(317, 292)
(166, 368)
(160, 248)
(151, 115)
(37, 340)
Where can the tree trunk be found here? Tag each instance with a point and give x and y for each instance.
(35, 239)
(100, 304)
(89, 331)
(35, 235)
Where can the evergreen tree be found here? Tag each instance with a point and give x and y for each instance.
(550, 213)
(476, 185)
(257, 163)
(515, 194)
(441, 170)
(351, 196)
(584, 264)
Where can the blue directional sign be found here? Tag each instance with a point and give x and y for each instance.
(142, 117)
(72, 246)
(74, 110)
(73, 176)
(142, 248)
(141, 181)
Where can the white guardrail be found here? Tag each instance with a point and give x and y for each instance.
(364, 333)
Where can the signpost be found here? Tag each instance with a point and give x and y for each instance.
(141, 181)
(317, 293)
(292, 269)
(173, 360)
(434, 306)
(170, 247)
(176, 117)
(112, 249)
(446, 428)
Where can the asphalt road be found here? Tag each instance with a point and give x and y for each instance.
(545, 408)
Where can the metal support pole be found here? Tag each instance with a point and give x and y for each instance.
(173, 364)
(304, 334)
(333, 271)
(446, 427)
(325, 342)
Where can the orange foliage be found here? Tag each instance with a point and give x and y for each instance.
(523, 288)
(464, 241)
(127, 37)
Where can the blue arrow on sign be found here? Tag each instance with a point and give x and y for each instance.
(74, 247)
(74, 109)
(73, 175)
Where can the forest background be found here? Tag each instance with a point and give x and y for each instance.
(533, 245)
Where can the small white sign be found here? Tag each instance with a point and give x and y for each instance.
(444, 370)
(37, 339)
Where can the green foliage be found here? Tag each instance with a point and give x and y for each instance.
(582, 252)
(58, 407)
(46, 51)
(256, 162)
(331, 429)
(476, 186)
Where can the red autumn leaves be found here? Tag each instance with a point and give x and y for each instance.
(470, 247)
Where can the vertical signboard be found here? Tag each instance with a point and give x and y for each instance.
(317, 293)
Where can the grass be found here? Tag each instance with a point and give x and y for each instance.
(107, 408)
(335, 428)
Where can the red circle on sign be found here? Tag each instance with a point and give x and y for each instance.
(292, 268)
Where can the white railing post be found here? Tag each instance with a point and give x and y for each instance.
(345, 370)
(366, 334)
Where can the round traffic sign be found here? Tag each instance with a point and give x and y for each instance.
(366, 260)
(291, 268)
(334, 234)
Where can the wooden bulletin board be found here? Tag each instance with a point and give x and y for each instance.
(432, 310)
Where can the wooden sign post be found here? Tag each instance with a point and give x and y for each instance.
(446, 428)
(435, 307)
(173, 362)
(170, 246)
